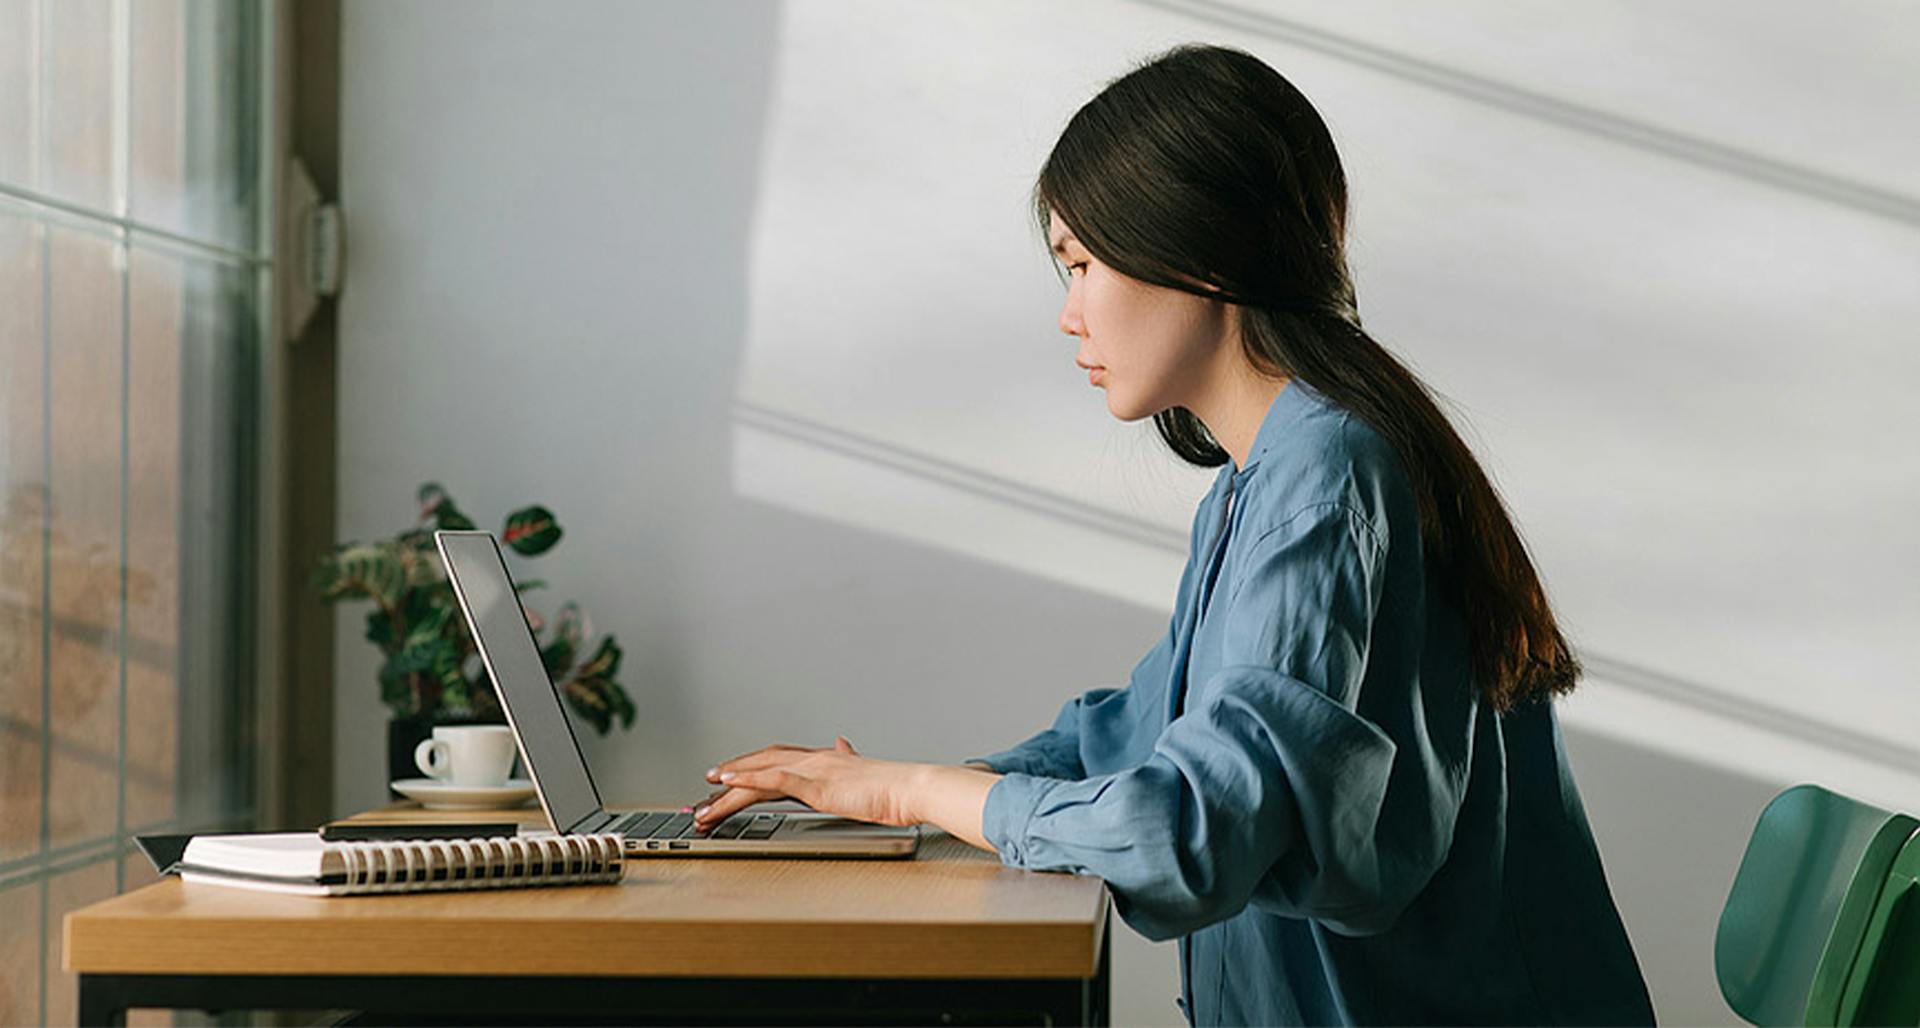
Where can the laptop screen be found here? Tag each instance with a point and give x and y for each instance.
(506, 643)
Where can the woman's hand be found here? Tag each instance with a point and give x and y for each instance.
(841, 781)
(836, 780)
(706, 814)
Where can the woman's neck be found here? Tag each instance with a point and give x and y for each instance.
(1235, 402)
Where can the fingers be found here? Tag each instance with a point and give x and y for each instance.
(714, 772)
(756, 796)
(775, 754)
(729, 803)
(774, 780)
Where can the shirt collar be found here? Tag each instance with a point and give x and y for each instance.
(1288, 407)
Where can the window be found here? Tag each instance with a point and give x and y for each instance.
(135, 272)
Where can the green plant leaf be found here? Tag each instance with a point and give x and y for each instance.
(599, 700)
(454, 688)
(429, 627)
(366, 570)
(380, 629)
(604, 663)
(438, 661)
(584, 696)
(622, 704)
(420, 567)
(436, 504)
(437, 595)
(414, 658)
(569, 629)
(593, 692)
(326, 570)
(408, 680)
(531, 531)
(394, 691)
(449, 518)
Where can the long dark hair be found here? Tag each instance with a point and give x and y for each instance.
(1204, 167)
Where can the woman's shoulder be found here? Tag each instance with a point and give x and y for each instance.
(1329, 464)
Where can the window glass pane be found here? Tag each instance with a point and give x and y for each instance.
(136, 870)
(70, 891)
(194, 129)
(20, 953)
(83, 588)
(19, 92)
(158, 295)
(190, 339)
(22, 529)
(80, 102)
(127, 398)
(217, 339)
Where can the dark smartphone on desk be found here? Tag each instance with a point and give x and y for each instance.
(389, 830)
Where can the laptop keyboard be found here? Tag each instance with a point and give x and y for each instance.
(662, 824)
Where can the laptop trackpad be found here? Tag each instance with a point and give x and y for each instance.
(827, 824)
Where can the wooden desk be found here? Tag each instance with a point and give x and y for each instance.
(950, 935)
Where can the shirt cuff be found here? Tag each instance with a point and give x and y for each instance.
(1033, 757)
(1010, 806)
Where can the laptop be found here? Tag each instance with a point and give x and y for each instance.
(559, 771)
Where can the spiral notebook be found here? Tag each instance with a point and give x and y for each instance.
(303, 864)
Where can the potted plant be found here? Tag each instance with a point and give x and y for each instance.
(430, 673)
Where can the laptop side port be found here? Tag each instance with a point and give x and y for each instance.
(679, 844)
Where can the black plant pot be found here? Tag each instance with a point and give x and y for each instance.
(404, 735)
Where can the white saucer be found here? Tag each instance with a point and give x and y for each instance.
(435, 794)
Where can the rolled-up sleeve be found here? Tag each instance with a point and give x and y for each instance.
(1269, 787)
(1106, 728)
(1053, 753)
(1095, 729)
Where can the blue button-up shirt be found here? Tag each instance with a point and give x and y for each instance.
(1302, 783)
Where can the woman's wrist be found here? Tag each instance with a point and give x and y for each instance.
(954, 797)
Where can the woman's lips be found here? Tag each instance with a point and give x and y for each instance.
(1093, 376)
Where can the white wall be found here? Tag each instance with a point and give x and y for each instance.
(746, 293)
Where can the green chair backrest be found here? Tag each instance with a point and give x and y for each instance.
(1885, 985)
(1797, 918)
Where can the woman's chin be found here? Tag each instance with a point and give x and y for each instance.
(1120, 408)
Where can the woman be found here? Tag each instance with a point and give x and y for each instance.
(1338, 780)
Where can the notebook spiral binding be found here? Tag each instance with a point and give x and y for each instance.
(377, 866)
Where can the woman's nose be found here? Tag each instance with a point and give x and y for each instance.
(1070, 317)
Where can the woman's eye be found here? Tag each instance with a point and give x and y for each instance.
(1080, 264)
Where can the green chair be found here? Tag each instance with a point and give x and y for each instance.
(1822, 926)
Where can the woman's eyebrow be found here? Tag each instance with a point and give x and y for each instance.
(1061, 246)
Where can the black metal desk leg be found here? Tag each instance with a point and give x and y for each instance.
(1100, 1012)
(1087, 1001)
(102, 1002)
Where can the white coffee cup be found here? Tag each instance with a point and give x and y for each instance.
(467, 755)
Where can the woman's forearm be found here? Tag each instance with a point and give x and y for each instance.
(954, 798)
